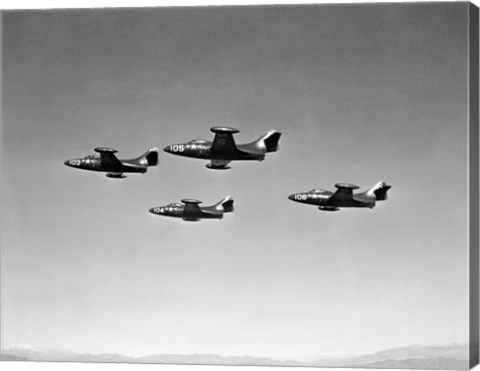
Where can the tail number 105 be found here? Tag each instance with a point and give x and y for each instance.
(177, 148)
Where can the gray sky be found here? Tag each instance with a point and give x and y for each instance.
(360, 93)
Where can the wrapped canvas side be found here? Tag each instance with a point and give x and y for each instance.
(474, 185)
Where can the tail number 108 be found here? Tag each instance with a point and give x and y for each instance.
(300, 196)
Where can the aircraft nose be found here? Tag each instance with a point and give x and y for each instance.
(156, 210)
(167, 149)
(291, 197)
(69, 163)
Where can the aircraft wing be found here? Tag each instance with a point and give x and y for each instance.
(107, 156)
(343, 194)
(191, 207)
(223, 143)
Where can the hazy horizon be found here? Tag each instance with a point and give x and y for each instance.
(455, 351)
(361, 93)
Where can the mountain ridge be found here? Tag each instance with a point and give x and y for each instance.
(450, 356)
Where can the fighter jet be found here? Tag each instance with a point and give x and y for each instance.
(343, 197)
(223, 149)
(191, 211)
(109, 163)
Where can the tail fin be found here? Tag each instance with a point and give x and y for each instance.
(271, 140)
(151, 156)
(226, 204)
(379, 190)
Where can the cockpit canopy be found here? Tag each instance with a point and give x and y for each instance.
(90, 157)
(317, 190)
(198, 141)
(174, 204)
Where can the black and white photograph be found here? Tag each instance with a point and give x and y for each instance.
(283, 185)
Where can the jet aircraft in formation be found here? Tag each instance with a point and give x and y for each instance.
(221, 152)
(109, 163)
(343, 197)
(192, 212)
(223, 149)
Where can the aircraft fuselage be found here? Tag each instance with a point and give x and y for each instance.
(178, 211)
(94, 163)
(109, 163)
(190, 210)
(322, 199)
(203, 150)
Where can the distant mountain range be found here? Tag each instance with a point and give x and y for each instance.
(407, 357)
(453, 356)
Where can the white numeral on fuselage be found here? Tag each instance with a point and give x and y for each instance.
(177, 148)
(300, 197)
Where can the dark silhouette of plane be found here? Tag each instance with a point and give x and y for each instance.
(109, 163)
(192, 212)
(343, 197)
(223, 149)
